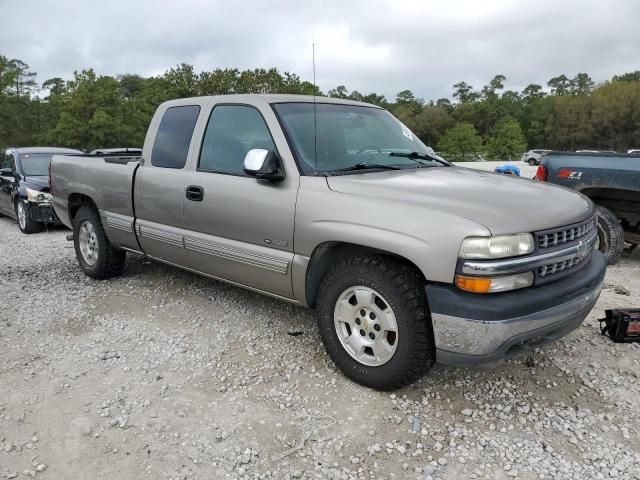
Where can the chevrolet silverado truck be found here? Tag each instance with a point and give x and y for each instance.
(612, 182)
(24, 186)
(338, 206)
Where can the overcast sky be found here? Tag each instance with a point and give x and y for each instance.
(382, 46)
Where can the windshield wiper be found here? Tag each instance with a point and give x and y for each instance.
(365, 166)
(422, 156)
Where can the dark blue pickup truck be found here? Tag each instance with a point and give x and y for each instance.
(612, 182)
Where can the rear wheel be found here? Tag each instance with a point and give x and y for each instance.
(95, 254)
(374, 321)
(24, 222)
(610, 235)
(532, 162)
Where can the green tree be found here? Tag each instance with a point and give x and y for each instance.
(463, 92)
(339, 92)
(560, 85)
(496, 84)
(615, 115)
(581, 84)
(570, 125)
(431, 123)
(460, 142)
(627, 77)
(507, 140)
(532, 92)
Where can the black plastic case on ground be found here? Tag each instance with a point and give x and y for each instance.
(621, 325)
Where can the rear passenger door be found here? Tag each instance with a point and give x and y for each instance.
(160, 185)
(240, 229)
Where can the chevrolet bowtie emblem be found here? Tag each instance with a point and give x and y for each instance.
(583, 249)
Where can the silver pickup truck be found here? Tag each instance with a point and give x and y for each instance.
(336, 205)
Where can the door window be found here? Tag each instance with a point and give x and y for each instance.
(171, 146)
(8, 161)
(231, 132)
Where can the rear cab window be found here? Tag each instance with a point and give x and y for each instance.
(171, 145)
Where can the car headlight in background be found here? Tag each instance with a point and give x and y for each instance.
(497, 247)
(39, 197)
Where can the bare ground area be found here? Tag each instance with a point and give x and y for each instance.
(164, 374)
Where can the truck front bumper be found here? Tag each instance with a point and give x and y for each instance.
(41, 212)
(474, 328)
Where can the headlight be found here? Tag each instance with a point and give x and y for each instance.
(494, 284)
(35, 196)
(497, 247)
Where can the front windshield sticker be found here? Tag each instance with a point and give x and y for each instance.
(406, 132)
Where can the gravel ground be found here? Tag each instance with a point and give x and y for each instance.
(164, 374)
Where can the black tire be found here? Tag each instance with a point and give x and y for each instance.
(532, 162)
(27, 225)
(403, 289)
(110, 261)
(610, 235)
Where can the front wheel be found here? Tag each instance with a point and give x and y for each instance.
(25, 223)
(96, 256)
(610, 235)
(374, 321)
(532, 162)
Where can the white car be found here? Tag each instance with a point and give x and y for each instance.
(532, 157)
(634, 150)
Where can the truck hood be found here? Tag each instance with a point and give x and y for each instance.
(37, 182)
(502, 203)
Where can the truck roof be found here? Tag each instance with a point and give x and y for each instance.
(22, 150)
(269, 98)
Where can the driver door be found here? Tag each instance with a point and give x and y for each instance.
(238, 228)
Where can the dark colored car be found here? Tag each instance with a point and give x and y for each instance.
(24, 186)
(612, 182)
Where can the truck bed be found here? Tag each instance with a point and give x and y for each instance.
(107, 179)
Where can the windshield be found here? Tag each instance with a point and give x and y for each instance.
(35, 164)
(349, 136)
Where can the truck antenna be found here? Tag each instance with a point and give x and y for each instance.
(315, 121)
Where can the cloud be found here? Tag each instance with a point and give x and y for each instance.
(383, 46)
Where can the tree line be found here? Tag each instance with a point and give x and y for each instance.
(92, 111)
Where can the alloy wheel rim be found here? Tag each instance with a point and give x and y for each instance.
(88, 241)
(366, 326)
(22, 216)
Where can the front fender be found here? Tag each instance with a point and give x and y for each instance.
(429, 239)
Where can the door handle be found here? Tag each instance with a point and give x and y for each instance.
(195, 193)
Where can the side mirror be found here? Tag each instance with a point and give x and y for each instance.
(6, 172)
(264, 165)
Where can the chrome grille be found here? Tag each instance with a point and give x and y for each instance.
(558, 267)
(563, 235)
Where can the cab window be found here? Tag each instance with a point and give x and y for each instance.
(231, 132)
(171, 145)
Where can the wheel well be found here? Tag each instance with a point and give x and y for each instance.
(624, 204)
(77, 200)
(327, 254)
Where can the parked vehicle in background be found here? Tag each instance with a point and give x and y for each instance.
(612, 182)
(24, 186)
(407, 258)
(634, 150)
(116, 151)
(532, 157)
(596, 151)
